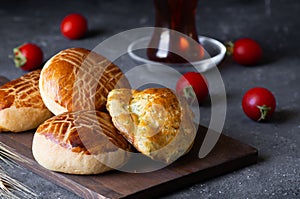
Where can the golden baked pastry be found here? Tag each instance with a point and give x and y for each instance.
(155, 121)
(81, 142)
(21, 105)
(78, 79)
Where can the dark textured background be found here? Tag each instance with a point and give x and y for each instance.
(273, 23)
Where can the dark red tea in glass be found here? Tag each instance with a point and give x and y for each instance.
(178, 15)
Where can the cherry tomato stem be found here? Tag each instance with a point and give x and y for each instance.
(192, 86)
(19, 58)
(189, 94)
(229, 48)
(264, 110)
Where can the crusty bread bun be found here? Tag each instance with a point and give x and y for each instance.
(155, 121)
(81, 142)
(78, 79)
(21, 105)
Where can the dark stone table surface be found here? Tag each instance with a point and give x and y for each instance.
(273, 23)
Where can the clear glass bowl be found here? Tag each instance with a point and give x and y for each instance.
(215, 52)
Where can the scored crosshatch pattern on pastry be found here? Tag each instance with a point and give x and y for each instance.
(21, 104)
(78, 79)
(65, 129)
(80, 142)
(22, 92)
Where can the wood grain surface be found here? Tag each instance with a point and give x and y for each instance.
(228, 155)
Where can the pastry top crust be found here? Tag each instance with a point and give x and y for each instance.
(156, 121)
(90, 132)
(79, 79)
(22, 92)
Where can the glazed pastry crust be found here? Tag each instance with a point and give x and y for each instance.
(156, 121)
(78, 79)
(21, 105)
(81, 142)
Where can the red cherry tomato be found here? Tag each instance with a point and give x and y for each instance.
(28, 56)
(74, 26)
(246, 52)
(192, 86)
(258, 103)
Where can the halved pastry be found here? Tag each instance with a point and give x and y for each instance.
(21, 105)
(155, 121)
(81, 142)
(78, 79)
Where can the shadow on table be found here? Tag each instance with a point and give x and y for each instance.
(282, 116)
(95, 32)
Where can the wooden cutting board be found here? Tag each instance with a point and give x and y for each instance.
(227, 155)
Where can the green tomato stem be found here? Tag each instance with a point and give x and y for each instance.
(264, 110)
(229, 48)
(189, 94)
(19, 59)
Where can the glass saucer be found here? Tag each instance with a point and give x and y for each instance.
(215, 52)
